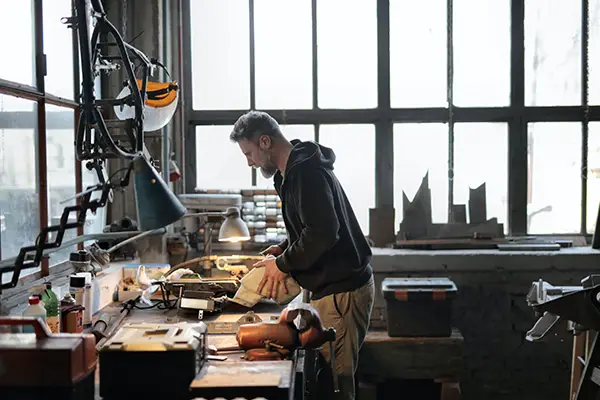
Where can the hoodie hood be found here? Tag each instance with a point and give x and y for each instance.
(309, 154)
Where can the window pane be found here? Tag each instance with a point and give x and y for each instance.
(594, 54)
(220, 164)
(220, 54)
(481, 156)
(554, 200)
(60, 156)
(418, 53)
(19, 199)
(300, 132)
(552, 52)
(16, 21)
(58, 46)
(357, 176)
(593, 181)
(347, 57)
(481, 53)
(283, 50)
(419, 148)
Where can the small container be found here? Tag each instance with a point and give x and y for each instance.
(35, 309)
(52, 306)
(81, 261)
(68, 300)
(87, 304)
(419, 307)
(71, 318)
(77, 288)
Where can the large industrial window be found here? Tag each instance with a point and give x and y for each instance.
(464, 92)
(38, 85)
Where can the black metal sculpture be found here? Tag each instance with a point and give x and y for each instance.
(94, 142)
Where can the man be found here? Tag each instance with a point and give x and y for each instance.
(326, 252)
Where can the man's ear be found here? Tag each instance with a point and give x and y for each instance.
(264, 142)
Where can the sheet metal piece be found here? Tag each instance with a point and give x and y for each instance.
(220, 327)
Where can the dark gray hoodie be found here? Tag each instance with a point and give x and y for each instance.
(326, 251)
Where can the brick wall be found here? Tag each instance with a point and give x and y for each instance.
(493, 315)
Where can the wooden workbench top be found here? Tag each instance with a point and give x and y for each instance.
(378, 336)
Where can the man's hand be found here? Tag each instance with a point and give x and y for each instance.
(274, 250)
(273, 277)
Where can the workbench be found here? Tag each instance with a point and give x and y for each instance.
(233, 377)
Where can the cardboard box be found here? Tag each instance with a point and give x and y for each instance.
(109, 284)
(129, 271)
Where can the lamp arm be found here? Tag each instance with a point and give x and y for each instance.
(41, 244)
(134, 238)
(9, 262)
(205, 214)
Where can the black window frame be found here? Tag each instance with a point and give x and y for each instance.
(516, 115)
(38, 94)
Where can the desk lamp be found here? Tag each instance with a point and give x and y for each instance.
(233, 230)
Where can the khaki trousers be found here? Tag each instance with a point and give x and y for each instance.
(349, 314)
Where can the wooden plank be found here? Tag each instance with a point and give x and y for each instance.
(579, 343)
(248, 379)
(377, 336)
(268, 379)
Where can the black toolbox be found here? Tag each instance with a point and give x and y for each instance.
(419, 307)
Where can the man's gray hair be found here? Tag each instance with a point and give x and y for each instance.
(254, 124)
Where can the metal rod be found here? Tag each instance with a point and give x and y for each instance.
(77, 195)
(584, 102)
(517, 128)
(252, 56)
(203, 214)
(253, 174)
(315, 56)
(133, 239)
(76, 116)
(450, 98)
(166, 130)
(42, 159)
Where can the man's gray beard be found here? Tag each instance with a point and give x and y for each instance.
(268, 173)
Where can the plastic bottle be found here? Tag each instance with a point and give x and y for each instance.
(87, 304)
(52, 306)
(35, 309)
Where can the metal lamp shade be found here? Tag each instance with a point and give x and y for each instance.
(233, 229)
(157, 206)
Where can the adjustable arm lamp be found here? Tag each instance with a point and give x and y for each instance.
(232, 230)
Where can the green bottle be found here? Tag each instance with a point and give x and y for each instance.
(52, 306)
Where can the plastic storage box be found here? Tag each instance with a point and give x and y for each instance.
(419, 307)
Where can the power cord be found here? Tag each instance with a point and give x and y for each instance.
(164, 304)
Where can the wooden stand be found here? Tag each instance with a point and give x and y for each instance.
(580, 352)
(585, 384)
(439, 359)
